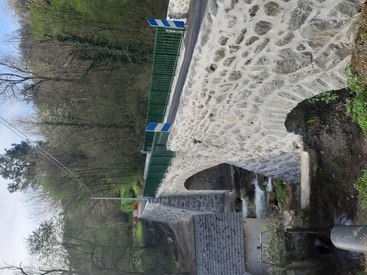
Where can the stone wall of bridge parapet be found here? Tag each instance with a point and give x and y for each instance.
(254, 61)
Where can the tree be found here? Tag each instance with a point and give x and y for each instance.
(18, 78)
(45, 242)
(29, 270)
(18, 164)
(83, 250)
(20, 8)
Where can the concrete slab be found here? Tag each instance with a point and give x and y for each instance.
(305, 180)
(252, 230)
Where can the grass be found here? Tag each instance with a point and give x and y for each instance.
(361, 186)
(130, 190)
(357, 77)
(357, 74)
(358, 105)
(278, 249)
(139, 233)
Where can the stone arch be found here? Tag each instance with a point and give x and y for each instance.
(218, 177)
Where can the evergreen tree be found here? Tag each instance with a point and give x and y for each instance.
(18, 164)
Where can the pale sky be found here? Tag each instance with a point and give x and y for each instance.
(16, 223)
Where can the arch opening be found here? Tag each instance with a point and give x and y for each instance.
(299, 116)
(253, 194)
(219, 177)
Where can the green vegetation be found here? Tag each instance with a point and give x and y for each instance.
(362, 272)
(131, 190)
(363, 36)
(278, 249)
(326, 97)
(358, 105)
(337, 165)
(361, 186)
(139, 233)
(313, 120)
(362, 32)
(281, 192)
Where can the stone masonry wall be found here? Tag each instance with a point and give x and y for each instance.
(166, 214)
(254, 61)
(178, 9)
(219, 244)
(207, 202)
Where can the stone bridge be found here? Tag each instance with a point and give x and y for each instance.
(254, 61)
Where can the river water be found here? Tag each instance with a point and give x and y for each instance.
(256, 206)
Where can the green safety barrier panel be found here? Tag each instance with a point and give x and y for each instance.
(159, 161)
(166, 51)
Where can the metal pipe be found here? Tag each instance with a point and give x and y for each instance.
(350, 237)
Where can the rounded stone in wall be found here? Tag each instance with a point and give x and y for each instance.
(204, 40)
(254, 10)
(220, 54)
(234, 48)
(301, 47)
(232, 21)
(254, 110)
(347, 8)
(229, 61)
(285, 40)
(263, 61)
(259, 76)
(334, 52)
(223, 40)
(235, 75)
(212, 68)
(241, 36)
(290, 61)
(251, 40)
(262, 27)
(261, 46)
(299, 15)
(223, 73)
(272, 9)
(324, 24)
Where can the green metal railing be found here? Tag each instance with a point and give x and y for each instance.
(166, 51)
(159, 161)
